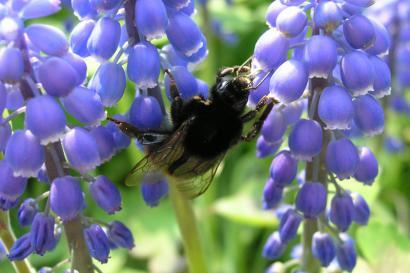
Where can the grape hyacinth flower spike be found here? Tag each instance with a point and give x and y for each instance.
(337, 67)
(45, 81)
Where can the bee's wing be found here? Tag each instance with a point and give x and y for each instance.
(197, 185)
(160, 157)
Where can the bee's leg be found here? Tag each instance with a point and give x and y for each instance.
(145, 138)
(266, 102)
(177, 102)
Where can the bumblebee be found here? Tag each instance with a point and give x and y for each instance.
(203, 130)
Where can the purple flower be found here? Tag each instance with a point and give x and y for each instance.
(11, 64)
(27, 211)
(359, 31)
(97, 243)
(265, 148)
(323, 248)
(78, 64)
(272, 194)
(186, 83)
(151, 18)
(274, 127)
(382, 40)
(311, 199)
(153, 188)
(283, 168)
(145, 113)
(273, 11)
(342, 158)
(104, 38)
(42, 233)
(356, 74)
(47, 39)
(289, 225)
(305, 139)
(369, 115)
(120, 235)
(346, 253)
(21, 248)
(342, 211)
(81, 150)
(40, 8)
(105, 142)
(336, 108)
(320, 56)
(106, 194)
(57, 76)
(79, 37)
(24, 154)
(66, 197)
(11, 187)
(289, 81)
(291, 21)
(328, 16)
(43, 108)
(143, 66)
(361, 209)
(274, 247)
(84, 105)
(270, 41)
(109, 82)
(368, 168)
(183, 33)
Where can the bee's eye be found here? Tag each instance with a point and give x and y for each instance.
(222, 85)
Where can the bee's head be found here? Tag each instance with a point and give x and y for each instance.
(233, 90)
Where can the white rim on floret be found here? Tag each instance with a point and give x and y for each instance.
(374, 132)
(183, 5)
(361, 91)
(145, 84)
(53, 138)
(99, 119)
(155, 35)
(26, 172)
(381, 93)
(194, 50)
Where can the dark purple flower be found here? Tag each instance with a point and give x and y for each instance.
(97, 243)
(120, 235)
(42, 233)
(106, 194)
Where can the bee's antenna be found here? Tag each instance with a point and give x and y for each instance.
(263, 79)
(249, 60)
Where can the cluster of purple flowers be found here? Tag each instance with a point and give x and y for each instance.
(395, 16)
(337, 74)
(44, 76)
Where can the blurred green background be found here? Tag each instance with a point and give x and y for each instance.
(232, 226)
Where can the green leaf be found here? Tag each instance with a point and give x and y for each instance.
(377, 237)
(241, 208)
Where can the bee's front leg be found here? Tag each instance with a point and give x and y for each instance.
(257, 125)
(176, 100)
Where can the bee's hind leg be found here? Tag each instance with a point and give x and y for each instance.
(266, 102)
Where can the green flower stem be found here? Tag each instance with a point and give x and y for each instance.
(8, 239)
(189, 231)
(315, 172)
(81, 259)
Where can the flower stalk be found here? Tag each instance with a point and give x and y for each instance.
(315, 172)
(189, 230)
(8, 239)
